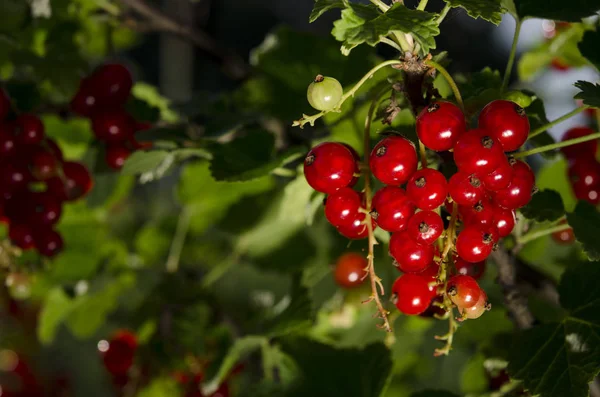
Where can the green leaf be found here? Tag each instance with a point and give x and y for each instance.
(589, 47)
(322, 6)
(55, 309)
(25, 96)
(142, 110)
(590, 93)
(157, 161)
(572, 11)
(297, 316)
(546, 205)
(327, 371)
(489, 10)
(365, 24)
(433, 393)
(585, 221)
(153, 98)
(560, 359)
(160, 387)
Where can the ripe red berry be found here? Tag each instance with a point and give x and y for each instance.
(481, 306)
(350, 270)
(591, 194)
(113, 125)
(342, 207)
(507, 122)
(85, 102)
(21, 235)
(43, 164)
(585, 171)
(522, 170)
(48, 242)
(392, 208)
(14, 176)
(113, 83)
(4, 105)
(481, 214)
(498, 179)
(393, 160)
(116, 155)
(583, 150)
(516, 195)
(118, 352)
(329, 166)
(475, 243)
(564, 237)
(475, 270)
(8, 144)
(356, 163)
(411, 257)
(504, 221)
(412, 293)
(427, 188)
(76, 184)
(464, 291)
(440, 125)
(54, 149)
(45, 209)
(425, 227)
(478, 152)
(358, 228)
(30, 130)
(465, 189)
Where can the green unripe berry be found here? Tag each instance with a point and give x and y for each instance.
(518, 97)
(324, 93)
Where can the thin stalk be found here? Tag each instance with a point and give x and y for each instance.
(422, 5)
(511, 57)
(541, 233)
(450, 81)
(404, 44)
(311, 119)
(443, 14)
(391, 43)
(183, 225)
(557, 145)
(382, 6)
(366, 170)
(559, 120)
(422, 154)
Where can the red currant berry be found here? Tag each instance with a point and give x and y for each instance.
(464, 291)
(45, 209)
(585, 149)
(465, 189)
(48, 242)
(85, 102)
(481, 214)
(412, 293)
(350, 270)
(478, 309)
(21, 236)
(564, 237)
(14, 176)
(516, 195)
(478, 152)
(440, 125)
(425, 227)
(427, 188)
(522, 170)
(585, 171)
(504, 221)
(76, 184)
(507, 122)
(329, 166)
(113, 126)
(116, 155)
(358, 229)
(392, 208)
(43, 164)
(498, 179)
(55, 149)
(591, 194)
(393, 160)
(118, 353)
(30, 130)
(8, 144)
(411, 257)
(4, 105)
(342, 207)
(112, 83)
(475, 244)
(475, 270)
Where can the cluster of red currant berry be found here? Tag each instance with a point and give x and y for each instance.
(483, 195)
(35, 181)
(584, 168)
(101, 97)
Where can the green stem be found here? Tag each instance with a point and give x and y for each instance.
(392, 43)
(422, 5)
(559, 120)
(511, 57)
(541, 233)
(311, 119)
(108, 7)
(450, 81)
(402, 41)
(382, 6)
(443, 14)
(558, 145)
(183, 224)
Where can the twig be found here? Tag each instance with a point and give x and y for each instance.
(541, 233)
(557, 145)
(183, 224)
(515, 302)
(567, 116)
(234, 66)
(511, 57)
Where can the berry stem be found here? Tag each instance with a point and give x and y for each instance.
(443, 14)
(450, 81)
(183, 225)
(559, 120)
(541, 233)
(366, 170)
(311, 119)
(511, 57)
(422, 154)
(557, 145)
